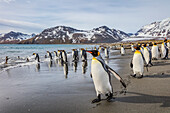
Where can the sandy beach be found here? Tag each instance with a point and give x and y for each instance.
(47, 90)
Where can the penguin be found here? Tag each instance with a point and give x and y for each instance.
(64, 56)
(147, 55)
(100, 49)
(59, 54)
(164, 49)
(36, 57)
(83, 54)
(49, 55)
(106, 52)
(155, 51)
(95, 48)
(141, 48)
(100, 73)
(55, 53)
(75, 55)
(27, 60)
(122, 50)
(137, 63)
(132, 48)
(6, 60)
(168, 44)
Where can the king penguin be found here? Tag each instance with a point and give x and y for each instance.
(155, 51)
(36, 57)
(164, 49)
(49, 55)
(147, 55)
(83, 55)
(6, 60)
(132, 48)
(122, 50)
(100, 73)
(106, 52)
(137, 63)
(55, 53)
(75, 55)
(64, 56)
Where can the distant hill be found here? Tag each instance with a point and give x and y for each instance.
(67, 35)
(156, 29)
(14, 37)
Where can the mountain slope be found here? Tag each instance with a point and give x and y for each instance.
(14, 37)
(63, 34)
(156, 29)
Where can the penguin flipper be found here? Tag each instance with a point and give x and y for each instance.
(131, 64)
(117, 76)
(91, 75)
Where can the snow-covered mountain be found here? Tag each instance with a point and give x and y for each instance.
(14, 37)
(63, 34)
(156, 29)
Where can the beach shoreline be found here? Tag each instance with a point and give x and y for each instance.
(26, 90)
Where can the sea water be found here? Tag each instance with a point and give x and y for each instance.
(18, 53)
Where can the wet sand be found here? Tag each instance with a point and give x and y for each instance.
(47, 90)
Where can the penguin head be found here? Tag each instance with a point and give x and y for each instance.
(165, 40)
(144, 45)
(137, 48)
(34, 54)
(95, 53)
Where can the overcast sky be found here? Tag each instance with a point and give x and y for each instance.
(33, 16)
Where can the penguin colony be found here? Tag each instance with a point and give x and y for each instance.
(101, 72)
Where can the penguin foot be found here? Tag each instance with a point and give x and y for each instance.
(96, 100)
(133, 75)
(146, 65)
(140, 77)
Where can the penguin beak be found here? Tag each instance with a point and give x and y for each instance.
(89, 51)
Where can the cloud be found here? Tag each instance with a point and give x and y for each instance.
(22, 25)
(7, 1)
(126, 15)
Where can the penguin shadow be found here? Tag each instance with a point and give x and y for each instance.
(38, 67)
(60, 62)
(158, 75)
(50, 64)
(160, 63)
(65, 69)
(75, 66)
(84, 67)
(145, 99)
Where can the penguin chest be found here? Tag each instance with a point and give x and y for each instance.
(122, 50)
(155, 52)
(106, 52)
(138, 64)
(100, 78)
(163, 50)
(146, 55)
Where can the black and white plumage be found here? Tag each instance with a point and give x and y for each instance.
(164, 49)
(155, 51)
(49, 55)
(100, 73)
(83, 55)
(137, 63)
(147, 55)
(75, 55)
(64, 56)
(37, 57)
